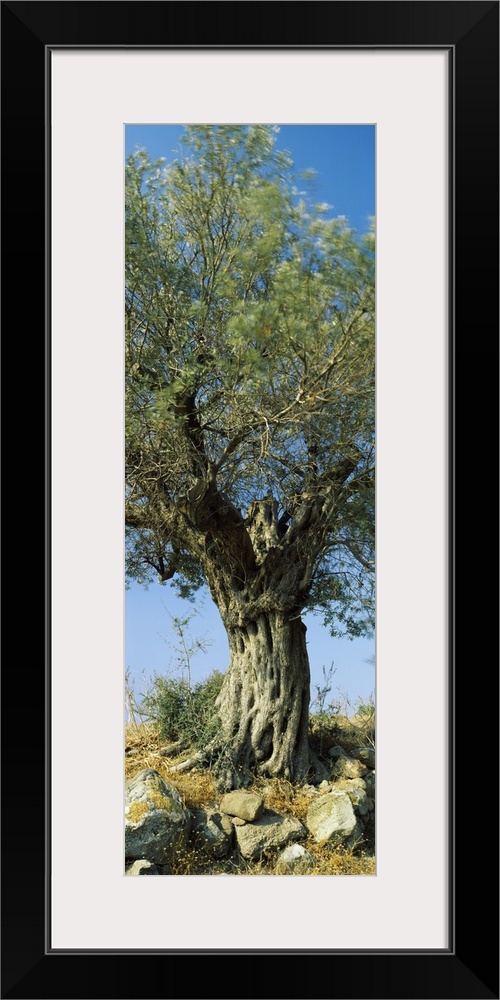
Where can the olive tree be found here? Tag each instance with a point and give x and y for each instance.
(250, 420)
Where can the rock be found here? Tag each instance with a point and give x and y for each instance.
(245, 805)
(348, 767)
(331, 818)
(294, 860)
(356, 793)
(365, 754)
(157, 823)
(336, 751)
(212, 832)
(324, 786)
(236, 821)
(345, 783)
(268, 833)
(142, 867)
(370, 783)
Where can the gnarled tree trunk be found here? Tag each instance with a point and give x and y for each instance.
(259, 587)
(264, 702)
(259, 569)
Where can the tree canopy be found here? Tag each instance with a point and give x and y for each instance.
(250, 381)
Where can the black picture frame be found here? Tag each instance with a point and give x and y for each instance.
(469, 968)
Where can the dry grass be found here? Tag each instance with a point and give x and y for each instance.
(143, 749)
(198, 791)
(328, 861)
(346, 731)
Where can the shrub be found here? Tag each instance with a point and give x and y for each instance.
(182, 712)
(365, 709)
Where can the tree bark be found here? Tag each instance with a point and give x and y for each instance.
(259, 569)
(264, 702)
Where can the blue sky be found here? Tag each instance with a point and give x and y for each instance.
(343, 157)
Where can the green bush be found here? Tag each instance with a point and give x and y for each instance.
(164, 704)
(365, 709)
(182, 712)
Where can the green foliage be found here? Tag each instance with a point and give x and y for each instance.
(249, 374)
(366, 708)
(178, 709)
(181, 712)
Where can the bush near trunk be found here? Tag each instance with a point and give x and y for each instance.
(187, 716)
(181, 712)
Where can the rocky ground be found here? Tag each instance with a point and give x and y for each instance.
(177, 824)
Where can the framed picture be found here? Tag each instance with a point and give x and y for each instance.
(426, 75)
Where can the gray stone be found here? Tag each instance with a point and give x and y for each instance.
(365, 754)
(268, 833)
(310, 791)
(331, 819)
(344, 784)
(370, 783)
(356, 793)
(142, 867)
(157, 823)
(212, 832)
(348, 767)
(294, 860)
(245, 805)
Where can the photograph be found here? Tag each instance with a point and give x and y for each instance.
(253, 257)
(250, 490)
